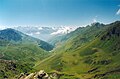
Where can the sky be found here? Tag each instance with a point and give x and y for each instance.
(57, 12)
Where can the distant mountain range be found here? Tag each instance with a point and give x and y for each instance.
(45, 33)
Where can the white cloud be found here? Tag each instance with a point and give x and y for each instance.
(2, 27)
(118, 12)
(94, 20)
(31, 34)
(64, 30)
(37, 33)
(40, 28)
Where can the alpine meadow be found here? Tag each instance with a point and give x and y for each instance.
(59, 39)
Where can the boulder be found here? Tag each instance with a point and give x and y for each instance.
(41, 75)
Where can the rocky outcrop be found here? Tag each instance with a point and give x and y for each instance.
(39, 75)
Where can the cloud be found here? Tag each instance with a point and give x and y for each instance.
(94, 20)
(40, 28)
(31, 34)
(2, 27)
(37, 33)
(118, 12)
(64, 30)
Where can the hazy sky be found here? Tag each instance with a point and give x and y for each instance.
(57, 12)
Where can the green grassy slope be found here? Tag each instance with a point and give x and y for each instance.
(19, 58)
(92, 53)
(20, 52)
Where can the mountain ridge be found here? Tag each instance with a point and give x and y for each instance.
(90, 58)
(17, 36)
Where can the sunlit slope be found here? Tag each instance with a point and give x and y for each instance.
(98, 57)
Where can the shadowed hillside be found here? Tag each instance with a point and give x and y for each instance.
(20, 52)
